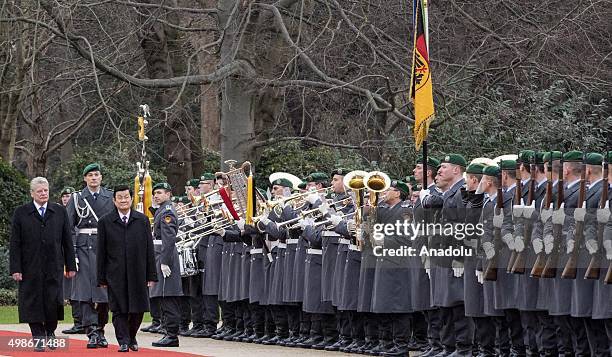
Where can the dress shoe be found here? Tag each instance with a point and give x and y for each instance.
(166, 341)
(223, 333)
(310, 342)
(191, 331)
(202, 333)
(133, 345)
(397, 350)
(383, 346)
(300, 339)
(123, 348)
(93, 341)
(288, 342)
(156, 328)
(321, 345)
(242, 336)
(102, 343)
(183, 330)
(273, 341)
(339, 345)
(432, 351)
(414, 345)
(368, 345)
(230, 337)
(51, 341)
(262, 338)
(74, 330)
(353, 347)
(444, 353)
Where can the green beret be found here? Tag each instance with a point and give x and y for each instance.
(302, 185)
(339, 171)
(184, 200)
(317, 177)
(282, 182)
(67, 191)
(207, 176)
(193, 183)
(573, 156)
(556, 155)
(594, 158)
(508, 165)
(400, 186)
(539, 157)
(162, 185)
(475, 169)
(431, 162)
(491, 171)
(91, 167)
(454, 159)
(525, 156)
(174, 199)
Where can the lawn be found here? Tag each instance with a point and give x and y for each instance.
(8, 315)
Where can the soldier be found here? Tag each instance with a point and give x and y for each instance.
(421, 284)
(84, 210)
(168, 289)
(446, 272)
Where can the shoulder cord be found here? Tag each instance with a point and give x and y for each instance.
(82, 212)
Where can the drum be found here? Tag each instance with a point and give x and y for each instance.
(188, 261)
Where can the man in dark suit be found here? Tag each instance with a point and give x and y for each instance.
(40, 247)
(126, 266)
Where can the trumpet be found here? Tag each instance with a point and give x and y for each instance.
(275, 203)
(315, 212)
(217, 215)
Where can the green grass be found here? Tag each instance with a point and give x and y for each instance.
(8, 315)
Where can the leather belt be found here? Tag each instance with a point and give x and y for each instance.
(256, 250)
(157, 241)
(282, 245)
(330, 234)
(353, 247)
(293, 241)
(314, 251)
(89, 231)
(344, 241)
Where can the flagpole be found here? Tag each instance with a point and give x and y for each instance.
(424, 170)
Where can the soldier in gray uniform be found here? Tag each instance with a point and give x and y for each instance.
(446, 272)
(84, 210)
(421, 283)
(391, 293)
(168, 289)
(582, 289)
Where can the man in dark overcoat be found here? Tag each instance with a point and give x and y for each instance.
(126, 266)
(40, 248)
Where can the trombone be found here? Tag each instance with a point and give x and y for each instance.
(277, 203)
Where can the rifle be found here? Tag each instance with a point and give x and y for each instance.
(592, 271)
(490, 272)
(550, 268)
(538, 266)
(569, 272)
(519, 262)
(517, 201)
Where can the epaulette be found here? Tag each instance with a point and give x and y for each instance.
(168, 207)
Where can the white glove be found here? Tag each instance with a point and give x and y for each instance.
(528, 210)
(519, 243)
(312, 198)
(545, 214)
(240, 223)
(423, 193)
(351, 226)
(509, 240)
(548, 244)
(302, 223)
(498, 219)
(479, 276)
(570, 246)
(538, 245)
(76, 260)
(489, 250)
(324, 208)
(558, 216)
(457, 269)
(220, 232)
(603, 214)
(335, 219)
(517, 210)
(591, 246)
(165, 270)
(480, 188)
(608, 247)
(265, 220)
(428, 271)
(579, 214)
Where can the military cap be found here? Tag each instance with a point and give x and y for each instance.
(339, 171)
(594, 158)
(475, 169)
(539, 157)
(431, 162)
(193, 183)
(573, 156)
(400, 186)
(609, 156)
(282, 182)
(454, 159)
(91, 167)
(184, 200)
(490, 171)
(317, 177)
(162, 186)
(207, 176)
(174, 199)
(508, 165)
(67, 191)
(556, 155)
(302, 185)
(411, 179)
(525, 156)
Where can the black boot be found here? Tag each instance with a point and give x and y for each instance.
(166, 341)
(343, 342)
(93, 338)
(76, 329)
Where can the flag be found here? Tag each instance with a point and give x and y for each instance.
(421, 90)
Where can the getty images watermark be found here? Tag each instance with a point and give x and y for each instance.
(411, 231)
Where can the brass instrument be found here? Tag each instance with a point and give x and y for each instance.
(238, 182)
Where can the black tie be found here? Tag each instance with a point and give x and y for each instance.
(125, 220)
(95, 196)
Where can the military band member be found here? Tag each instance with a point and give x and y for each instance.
(84, 210)
(168, 289)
